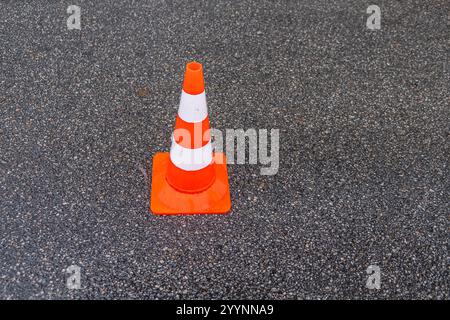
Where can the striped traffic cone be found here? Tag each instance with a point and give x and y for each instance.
(190, 179)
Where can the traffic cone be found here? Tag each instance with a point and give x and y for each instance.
(190, 179)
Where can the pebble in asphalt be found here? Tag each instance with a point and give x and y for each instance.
(363, 178)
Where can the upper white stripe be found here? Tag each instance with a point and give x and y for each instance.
(190, 159)
(193, 107)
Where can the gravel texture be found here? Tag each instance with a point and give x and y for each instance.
(364, 149)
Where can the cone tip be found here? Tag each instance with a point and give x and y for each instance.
(193, 78)
(194, 66)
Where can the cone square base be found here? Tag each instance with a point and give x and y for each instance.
(165, 200)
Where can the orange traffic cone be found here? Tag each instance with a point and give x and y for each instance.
(190, 179)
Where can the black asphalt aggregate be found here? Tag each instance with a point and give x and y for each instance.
(363, 177)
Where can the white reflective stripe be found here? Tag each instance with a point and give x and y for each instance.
(193, 107)
(190, 159)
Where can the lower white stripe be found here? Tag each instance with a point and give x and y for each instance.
(190, 159)
(193, 107)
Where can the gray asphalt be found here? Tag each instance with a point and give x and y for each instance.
(364, 149)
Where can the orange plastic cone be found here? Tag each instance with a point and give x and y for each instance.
(190, 179)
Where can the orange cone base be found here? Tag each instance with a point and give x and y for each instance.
(165, 200)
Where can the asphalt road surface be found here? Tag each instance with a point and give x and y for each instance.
(363, 177)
